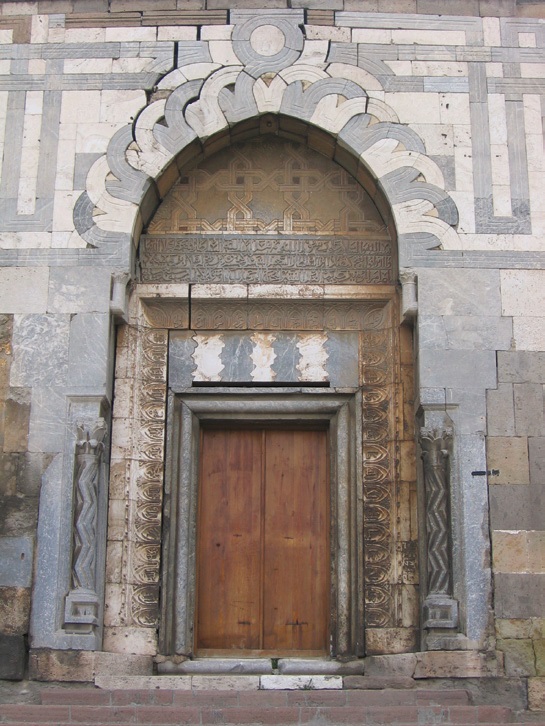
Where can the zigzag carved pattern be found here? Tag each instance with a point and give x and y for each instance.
(435, 457)
(85, 523)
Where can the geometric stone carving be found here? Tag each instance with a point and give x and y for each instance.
(440, 608)
(82, 602)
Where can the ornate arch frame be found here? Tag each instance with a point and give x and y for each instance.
(314, 92)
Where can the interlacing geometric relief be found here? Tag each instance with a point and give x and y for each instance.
(305, 193)
(144, 552)
(377, 478)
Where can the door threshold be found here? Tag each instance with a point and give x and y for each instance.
(262, 666)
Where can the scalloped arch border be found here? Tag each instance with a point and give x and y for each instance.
(208, 106)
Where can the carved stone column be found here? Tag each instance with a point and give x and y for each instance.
(440, 608)
(82, 602)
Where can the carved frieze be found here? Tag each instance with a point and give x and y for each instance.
(265, 259)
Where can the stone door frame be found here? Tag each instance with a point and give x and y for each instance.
(188, 410)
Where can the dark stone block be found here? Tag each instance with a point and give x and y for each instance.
(519, 595)
(515, 507)
(19, 515)
(12, 657)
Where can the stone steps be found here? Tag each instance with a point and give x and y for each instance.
(160, 706)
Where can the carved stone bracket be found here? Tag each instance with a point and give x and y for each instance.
(440, 608)
(82, 604)
(409, 302)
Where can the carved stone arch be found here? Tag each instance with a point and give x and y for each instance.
(201, 106)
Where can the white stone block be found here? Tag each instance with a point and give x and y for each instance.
(400, 68)
(439, 68)
(25, 240)
(438, 138)
(497, 118)
(527, 40)
(429, 37)
(139, 641)
(204, 292)
(327, 32)
(529, 333)
(491, 31)
(130, 35)
(6, 37)
(523, 293)
(301, 683)
(372, 35)
(222, 52)
(19, 8)
(273, 292)
(462, 135)
(533, 119)
(216, 32)
(494, 70)
(34, 102)
(85, 35)
(353, 73)
(224, 683)
(177, 32)
(88, 65)
(121, 106)
(39, 29)
(56, 35)
(463, 166)
(65, 165)
(120, 683)
(63, 210)
(499, 158)
(532, 70)
(23, 289)
(454, 108)
(501, 200)
(314, 52)
(465, 203)
(80, 107)
(93, 138)
(130, 65)
(37, 66)
(416, 107)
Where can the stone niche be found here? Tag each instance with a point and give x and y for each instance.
(267, 293)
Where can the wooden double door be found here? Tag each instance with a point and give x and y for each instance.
(263, 542)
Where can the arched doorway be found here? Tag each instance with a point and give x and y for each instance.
(267, 308)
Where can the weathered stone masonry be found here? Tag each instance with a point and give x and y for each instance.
(103, 105)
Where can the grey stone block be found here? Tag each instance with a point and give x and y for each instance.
(536, 458)
(459, 292)
(519, 595)
(90, 352)
(500, 411)
(181, 364)
(235, 357)
(431, 332)
(12, 657)
(72, 292)
(82, 164)
(40, 350)
(469, 414)
(457, 369)
(16, 561)
(517, 507)
(521, 367)
(343, 359)
(529, 419)
(478, 333)
(47, 419)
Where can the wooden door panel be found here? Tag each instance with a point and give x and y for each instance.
(263, 542)
(296, 560)
(229, 540)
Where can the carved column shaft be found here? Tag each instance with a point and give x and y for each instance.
(82, 602)
(440, 608)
